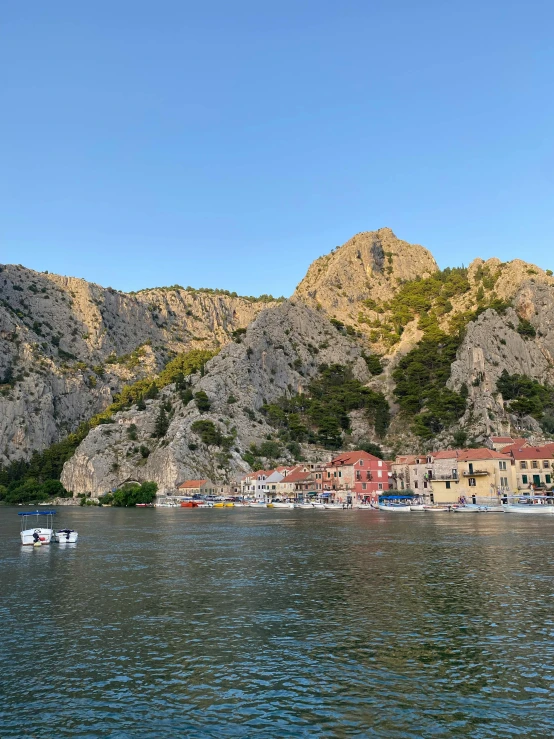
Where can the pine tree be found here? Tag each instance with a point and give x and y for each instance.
(162, 424)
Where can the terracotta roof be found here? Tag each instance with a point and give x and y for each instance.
(469, 455)
(518, 444)
(446, 454)
(534, 452)
(296, 476)
(187, 484)
(502, 440)
(405, 459)
(352, 458)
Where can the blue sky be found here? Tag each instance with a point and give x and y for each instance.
(228, 144)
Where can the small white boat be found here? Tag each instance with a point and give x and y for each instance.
(318, 506)
(66, 536)
(474, 508)
(418, 508)
(304, 506)
(39, 534)
(280, 504)
(256, 504)
(436, 508)
(539, 505)
(364, 507)
(334, 506)
(400, 503)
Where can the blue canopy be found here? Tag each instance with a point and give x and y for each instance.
(37, 513)
(396, 497)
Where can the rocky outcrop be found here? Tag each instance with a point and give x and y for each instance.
(491, 345)
(372, 264)
(67, 345)
(281, 350)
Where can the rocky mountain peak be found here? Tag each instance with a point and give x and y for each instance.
(372, 264)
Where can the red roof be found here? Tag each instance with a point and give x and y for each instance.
(468, 455)
(187, 484)
(296, 476)
(502, 440)
(518, 444)
(534, 452)
(352, 458)
(446, 454)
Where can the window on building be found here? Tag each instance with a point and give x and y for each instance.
(471, 482)
(379, 474)
(547, 479)
(534, 464)
(523, 465)
(380, 486)
(504, 482)
(340, 473)
(363, 486)
(502, 465)
(447, 484)
(361, 462)
(524, 479)
(425, 483)
(415, 484)
(429, 460)
(454, 474)
(546, 463)
(379, 463)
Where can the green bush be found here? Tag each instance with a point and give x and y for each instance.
(131, 494)
(202, 401)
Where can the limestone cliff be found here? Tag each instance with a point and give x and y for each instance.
(66, 345)
(372, 264)
(281, 350)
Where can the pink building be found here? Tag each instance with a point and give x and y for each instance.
(359, 473)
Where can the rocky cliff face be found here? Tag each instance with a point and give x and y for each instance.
(491, 345)
(66, 345)
(371, 265)
(278, 355)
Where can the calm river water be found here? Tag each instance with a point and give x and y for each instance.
(263, 623)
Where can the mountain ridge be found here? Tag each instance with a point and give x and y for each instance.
(377, 304)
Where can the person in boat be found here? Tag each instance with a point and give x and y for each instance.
(36, 536)
(349, 501)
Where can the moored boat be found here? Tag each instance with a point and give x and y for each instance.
(281, 504)
(399, 503)
(66, 536)
(39, 534)
(541, 505)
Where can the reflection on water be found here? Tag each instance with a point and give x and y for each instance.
(243, 623)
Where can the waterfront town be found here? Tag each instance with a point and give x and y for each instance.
(504, 468)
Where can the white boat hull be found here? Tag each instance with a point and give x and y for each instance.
(257, 505)
(44, 536)
(395, 508)
(417, 508)
(282, 505)
(540, 510)
(63, 537)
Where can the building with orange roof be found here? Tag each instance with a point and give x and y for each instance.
(533, 466)
(358, 474)
(446, 476)
(499, 442)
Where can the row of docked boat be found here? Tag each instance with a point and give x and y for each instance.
(529, 504)
(43, 531)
